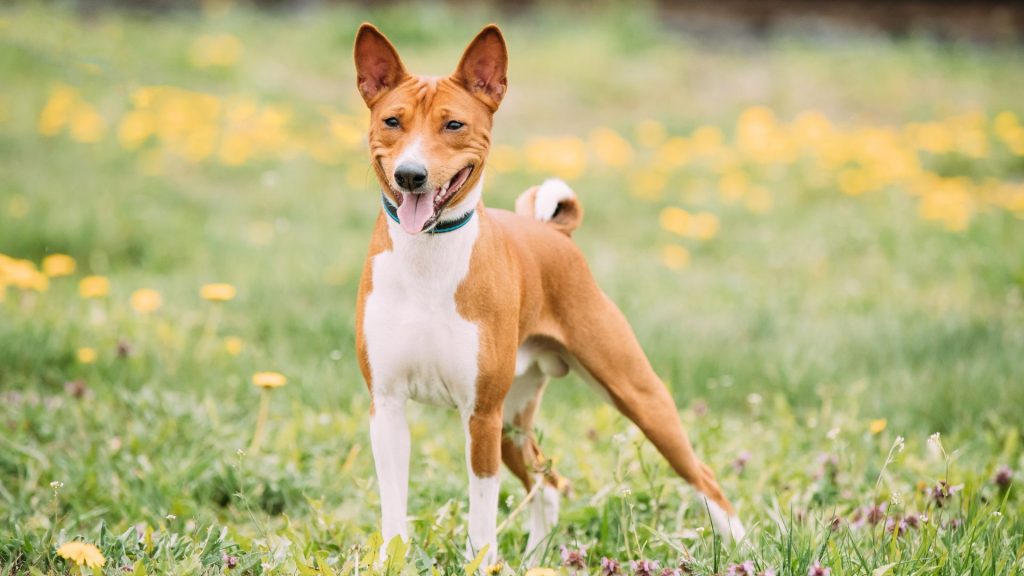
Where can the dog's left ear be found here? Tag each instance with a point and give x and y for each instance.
(484, 67)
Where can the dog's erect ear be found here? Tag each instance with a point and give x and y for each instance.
(484, 67)
(378, 67)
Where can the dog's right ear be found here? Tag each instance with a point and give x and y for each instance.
(378, 67)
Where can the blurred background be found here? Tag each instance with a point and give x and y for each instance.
(811, 212)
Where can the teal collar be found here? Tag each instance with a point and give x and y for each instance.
(440, 228)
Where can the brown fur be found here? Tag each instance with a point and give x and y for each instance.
(526, 279)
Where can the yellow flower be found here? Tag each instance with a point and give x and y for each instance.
(877, 426)
(675, 256)
(146, 300)
(647, 184)
(706, 140)
(58, 265)
(135, 128)
(503, 158)
(82, 554)
(86, 124)
(610, 148)
(218, 292)
(93, 287)
(233, 345)
(222, 50)
(650, 133)
(562, 157)
(22, 274)
(57, 112)
(269, 379)
(704, 225)
(675, 220)
(86, 355)
(494, 568)
(542, 572)
(733, 185)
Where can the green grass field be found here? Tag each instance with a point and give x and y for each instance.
(819, 242)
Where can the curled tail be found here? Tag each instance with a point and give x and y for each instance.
(552, 202)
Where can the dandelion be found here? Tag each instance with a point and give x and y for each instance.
(86, 125)
(233, 345)
(93, 287)
(675, 220)
(674, 256)
(82, 554)
(542, 572)
(215, 51)
(58, 265)
(146, 300)
(575, 559)
(494, 568)
(86, 355)
(218, 292)
(610, 148)
(265, 381)
(877, 426)
(269, 379)
(650, 133)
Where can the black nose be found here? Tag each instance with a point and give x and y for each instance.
(411, 176)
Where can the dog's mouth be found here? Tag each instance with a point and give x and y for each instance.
(421, 212)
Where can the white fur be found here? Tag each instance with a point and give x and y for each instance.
(729, 528)
(419, 347)
(413, 152)
(389, 436)
(483, 515)
(534, 364)
(417, 344)
(543, 516)
(550, 193)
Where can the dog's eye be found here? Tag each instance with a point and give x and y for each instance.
(453, 125)
(391, 122)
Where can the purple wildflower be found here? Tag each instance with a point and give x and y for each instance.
(942, 492)
(575, 559)
(740, 463)
(817, 569)
(744, 569)
(610, 567)
(229, 561)
(1003, 477)
(645, 567)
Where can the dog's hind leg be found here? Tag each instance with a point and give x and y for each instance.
(608, 355)
(519, 449)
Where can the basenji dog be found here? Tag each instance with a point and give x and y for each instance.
(477, 308)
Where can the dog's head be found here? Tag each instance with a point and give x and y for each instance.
(429, 136)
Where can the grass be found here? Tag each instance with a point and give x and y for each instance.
(803, 340)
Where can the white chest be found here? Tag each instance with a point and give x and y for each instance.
(417, 344)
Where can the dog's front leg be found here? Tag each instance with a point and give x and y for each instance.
(483, 458)
(389, 435)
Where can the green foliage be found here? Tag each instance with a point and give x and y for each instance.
(787, 336)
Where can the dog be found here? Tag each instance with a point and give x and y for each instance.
(476, 308)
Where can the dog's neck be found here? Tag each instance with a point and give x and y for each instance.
(429, 256)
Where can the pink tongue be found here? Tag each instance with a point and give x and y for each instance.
(414, 212)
